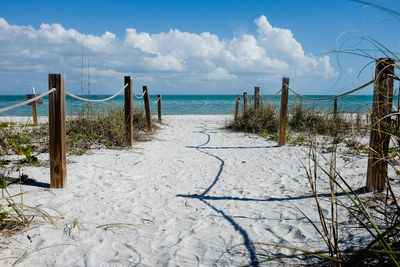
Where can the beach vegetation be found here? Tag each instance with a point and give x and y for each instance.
(106, 128)
(15, 216)
(264, 122)
(301, 120)
(27, 152)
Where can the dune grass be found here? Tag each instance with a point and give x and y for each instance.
(301, 120)
(107, 129)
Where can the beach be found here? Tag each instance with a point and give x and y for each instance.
(196, 195)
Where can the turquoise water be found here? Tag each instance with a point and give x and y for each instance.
(189, 104)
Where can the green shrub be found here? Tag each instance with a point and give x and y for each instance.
(264, 122)
(105, 128)
(303, 119)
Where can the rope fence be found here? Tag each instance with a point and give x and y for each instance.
(270, 97)
(57, 119)
(139, 97)
(155, 101)
(332, 97)
(96, 100)
(27, 101)
(380, 117)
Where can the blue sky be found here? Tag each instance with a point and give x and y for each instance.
(190, 47)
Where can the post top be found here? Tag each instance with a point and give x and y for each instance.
(385, 59)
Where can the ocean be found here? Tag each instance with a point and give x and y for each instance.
(189, 104)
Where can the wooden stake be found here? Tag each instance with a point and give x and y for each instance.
(335, 120)
(283, 112)
(159, 108)
(34, 112)
(58, 162)
(335, 110)
(34, 106)
(380, 124)
(128, 111)
(245, 102)
(146, 100)
(237, 107)
(256, 99)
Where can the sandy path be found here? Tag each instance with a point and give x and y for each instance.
(189, 195)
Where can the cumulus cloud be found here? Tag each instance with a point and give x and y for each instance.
(171, 60)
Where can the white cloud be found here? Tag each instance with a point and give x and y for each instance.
(220, 74)
(175, 58)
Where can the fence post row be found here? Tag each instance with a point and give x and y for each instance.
(256, 99)
(237, 107)
(146, 100)
(159, 107)
(380, 123)
(244, 102)
(58, 163)
(283, 112)
(128, 107)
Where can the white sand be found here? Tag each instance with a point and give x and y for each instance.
(246, 188)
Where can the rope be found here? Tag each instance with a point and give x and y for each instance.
(27, 101)
(155, 102)
(394, 76)
(96, 100)
(139, 97)
(269, 97)
(332, 97)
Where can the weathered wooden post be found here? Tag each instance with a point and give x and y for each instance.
(256, 99)
(146, 100)
(283, 112)
(237, 107)
(159, 108)
(244, 102)
(34, 105)
(128, 111)
(380, 123)
(335, 110)
(58, 162)
(335, 120)
(34, 112)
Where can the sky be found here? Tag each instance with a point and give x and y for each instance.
(194, 47)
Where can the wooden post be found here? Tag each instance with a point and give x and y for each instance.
(34, 112)
(237, 107)
(335, 110)
(256, 99)
(380, 124)
(335, 120)
(58, 162)
(146, 100)
(34, 106)
(244, 102)
(128, 111)
(159, 108)
(283, 112)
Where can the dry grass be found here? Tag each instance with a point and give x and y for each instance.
(265, 121)
(105, 129)
(300, 120)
